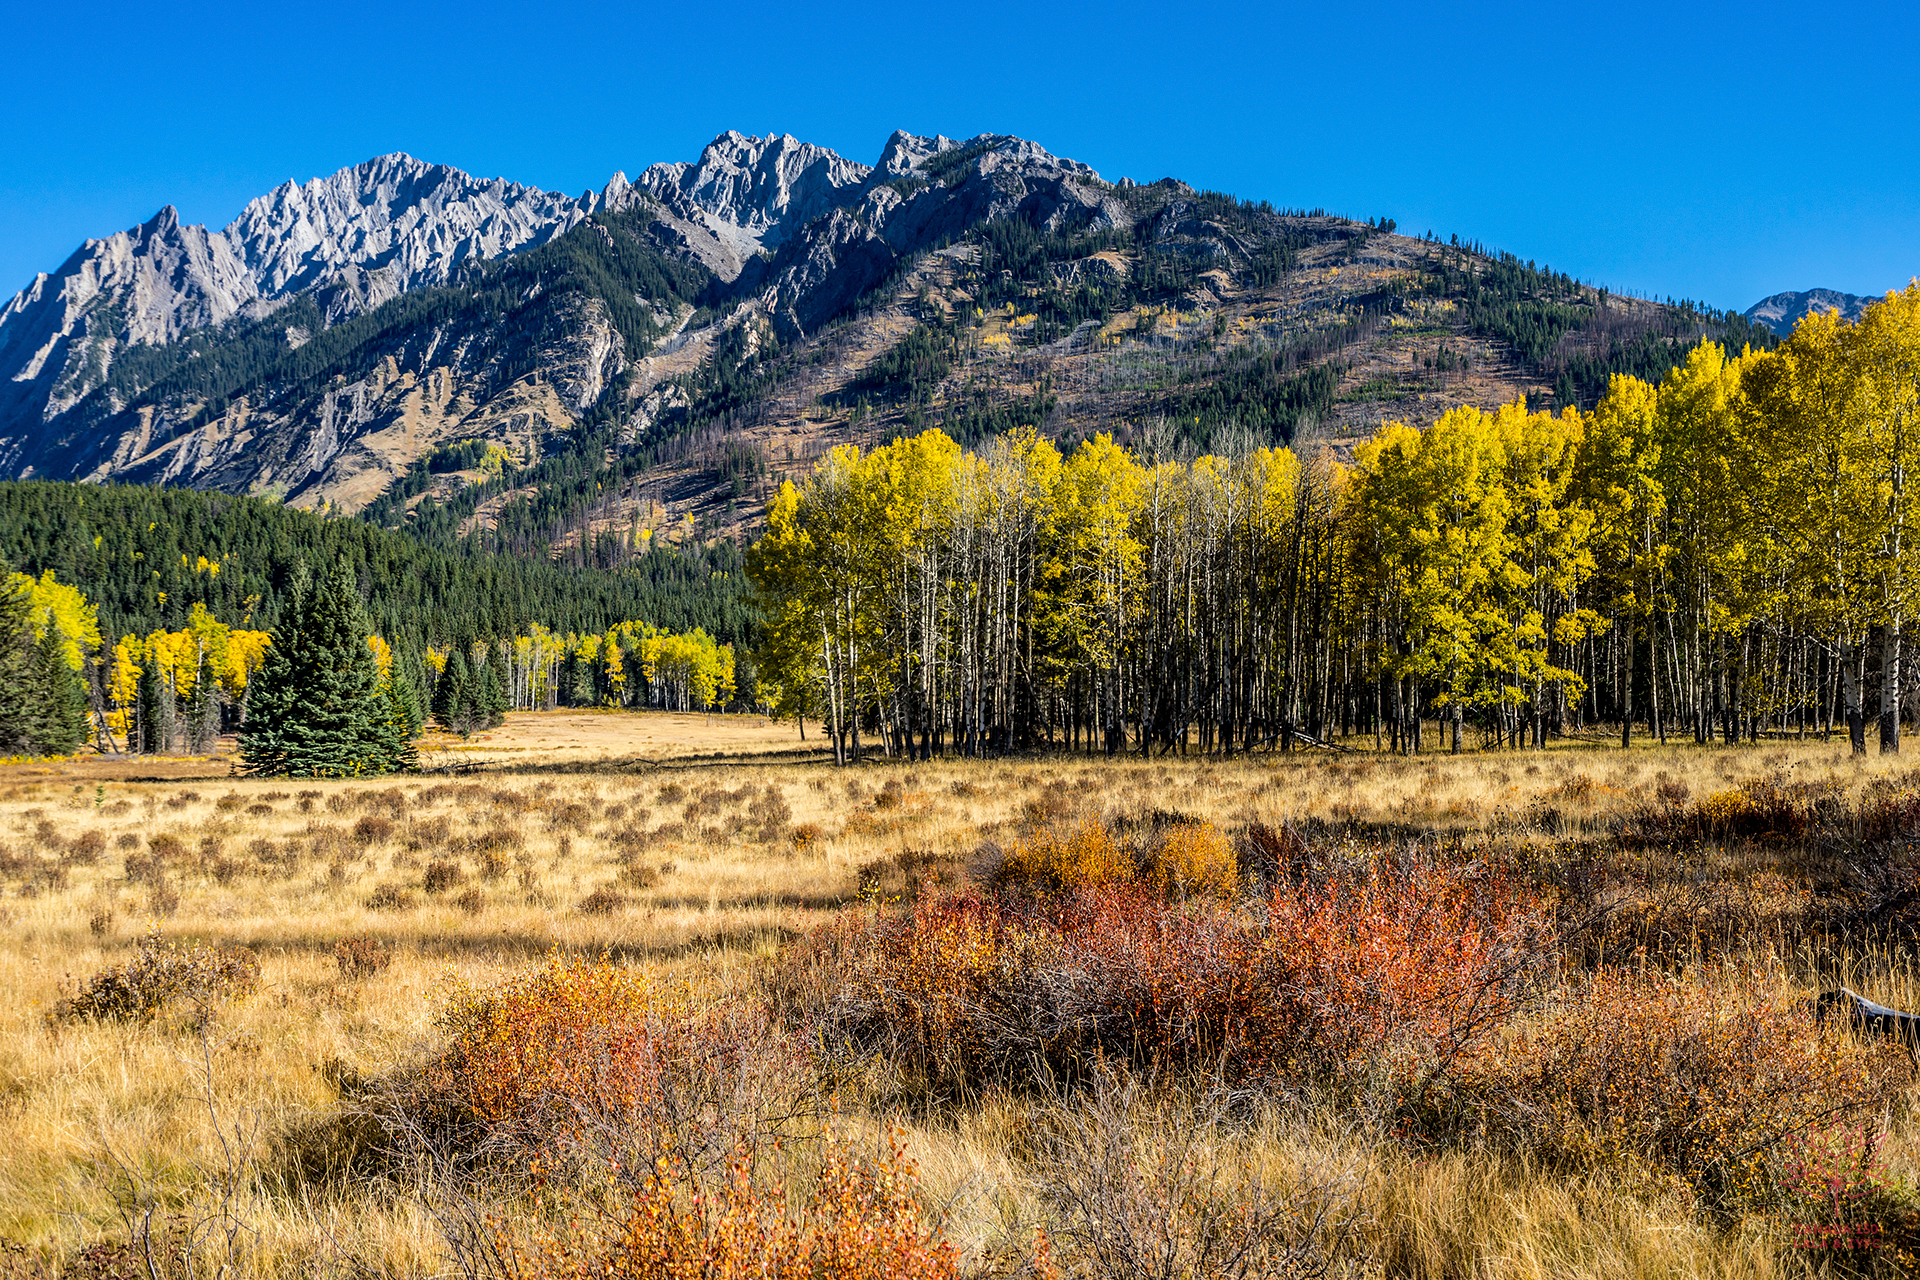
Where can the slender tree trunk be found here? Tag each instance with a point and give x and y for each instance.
(1850, 657)
(1626, 694)
(1890, 688)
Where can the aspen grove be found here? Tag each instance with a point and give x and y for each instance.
(1725, 555)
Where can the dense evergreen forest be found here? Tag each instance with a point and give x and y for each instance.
(145, 556)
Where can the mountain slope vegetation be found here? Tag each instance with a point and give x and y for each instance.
(646, 362)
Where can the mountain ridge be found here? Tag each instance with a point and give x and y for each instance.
(686, 334)
(1781, 311)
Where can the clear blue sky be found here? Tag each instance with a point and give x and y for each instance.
(1721, 152)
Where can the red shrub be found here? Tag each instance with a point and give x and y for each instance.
(1396, 966)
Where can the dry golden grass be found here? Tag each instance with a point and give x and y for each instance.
(692, 872)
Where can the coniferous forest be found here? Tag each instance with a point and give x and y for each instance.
(166, 601)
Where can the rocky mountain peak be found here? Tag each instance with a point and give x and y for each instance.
(755, 192)
(1784, 310)
(394, 216)
(906, 155)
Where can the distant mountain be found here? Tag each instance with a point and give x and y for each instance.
(404, 340)
(1783, 310)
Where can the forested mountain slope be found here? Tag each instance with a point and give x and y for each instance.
(602, 373)
(146, 555)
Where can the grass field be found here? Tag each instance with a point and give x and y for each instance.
(715, 885)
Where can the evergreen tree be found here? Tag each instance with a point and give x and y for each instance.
(318, 711)
(493, 699)
(156, 711)
(453, 696)
(62, 722)
(401, 723)
(42, 705)
(581, 685)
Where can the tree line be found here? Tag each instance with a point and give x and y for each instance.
(1723, 555)
(145, 556)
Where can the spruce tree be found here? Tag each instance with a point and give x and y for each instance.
(493, 699)
(43, 704)
(62, 722)
(401, 724)
(453, 698)
(318, 712)
(156, 711)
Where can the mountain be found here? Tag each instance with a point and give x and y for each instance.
(354, 240)
(598, 372)
(1783, 310)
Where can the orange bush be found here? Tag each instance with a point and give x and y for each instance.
(1195, 858)
(1070, 857)
(583, 1055)
(861, 1222)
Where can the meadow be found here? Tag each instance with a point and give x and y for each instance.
(640, 994)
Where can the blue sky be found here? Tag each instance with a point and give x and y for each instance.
(1711, 151)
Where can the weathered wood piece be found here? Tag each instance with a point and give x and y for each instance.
(1868, 1016)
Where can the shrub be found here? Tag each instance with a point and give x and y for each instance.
(575, 1056)
(162, 899)
(471, 901)
(160, 974)
(601, 902)
(498, 840)
(1384, 975)
(428, 833)
(1163, 1188)
(1841, 1195)
(390, 897)
(361, 957)
(862, 1221)
(1700, 1078)
(1061, 858)
(806, 835)
(772, 813)
(371, 829)
(442, 876)
(1195, 858)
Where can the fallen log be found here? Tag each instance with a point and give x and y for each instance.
(1865, 1015)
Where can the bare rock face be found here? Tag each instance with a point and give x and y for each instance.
(363, 235)
(1782, 311)
(785, 229)
(150, 284)
(396, 222)
(756, 192)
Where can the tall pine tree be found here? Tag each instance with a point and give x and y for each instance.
(317, 710)
(42, 704)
